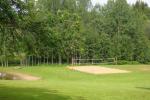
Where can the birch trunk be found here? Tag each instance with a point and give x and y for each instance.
(60, 60)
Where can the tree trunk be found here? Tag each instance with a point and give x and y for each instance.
(68, 60)
(72, 58)
(52, 59)
(32, 61)
(60, 60)
(47, 61)
(38, 61)
(20, 62)
(7, 62)
(35, 60)
(116, 60)
(44, 60)
(1, 62)
(26, 62)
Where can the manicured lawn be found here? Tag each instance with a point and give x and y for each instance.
(60, 83)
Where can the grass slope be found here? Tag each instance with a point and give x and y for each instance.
(59, 83)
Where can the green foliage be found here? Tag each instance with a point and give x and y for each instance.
(67, 29)
(125, 62)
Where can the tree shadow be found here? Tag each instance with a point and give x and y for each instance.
(145, 88)
(14, 93)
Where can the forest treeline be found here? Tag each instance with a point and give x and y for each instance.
(54, 31)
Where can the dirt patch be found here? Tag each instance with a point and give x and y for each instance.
(27, 77)
(97, 70)
(19, 76)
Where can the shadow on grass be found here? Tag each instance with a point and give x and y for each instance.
(143, 88)
(14, 93)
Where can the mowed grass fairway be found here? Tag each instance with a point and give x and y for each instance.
(60, 83)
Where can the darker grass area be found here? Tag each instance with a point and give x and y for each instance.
(144, 88)
(16, 93)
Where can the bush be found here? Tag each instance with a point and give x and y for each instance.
(124, 62)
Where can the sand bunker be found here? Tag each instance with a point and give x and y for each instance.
(97, 70)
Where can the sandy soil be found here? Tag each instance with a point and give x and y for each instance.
(97, 70)
(26, 77)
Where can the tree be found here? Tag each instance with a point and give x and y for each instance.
(11, 16)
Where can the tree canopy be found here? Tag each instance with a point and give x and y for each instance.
(61, 30)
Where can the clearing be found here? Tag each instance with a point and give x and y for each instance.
(60, 83)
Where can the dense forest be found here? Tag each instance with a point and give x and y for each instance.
(56, 31)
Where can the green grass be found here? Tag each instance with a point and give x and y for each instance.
(59, 83)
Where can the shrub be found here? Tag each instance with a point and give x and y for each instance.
(124, 62)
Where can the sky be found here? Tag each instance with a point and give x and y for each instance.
(129, 1)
